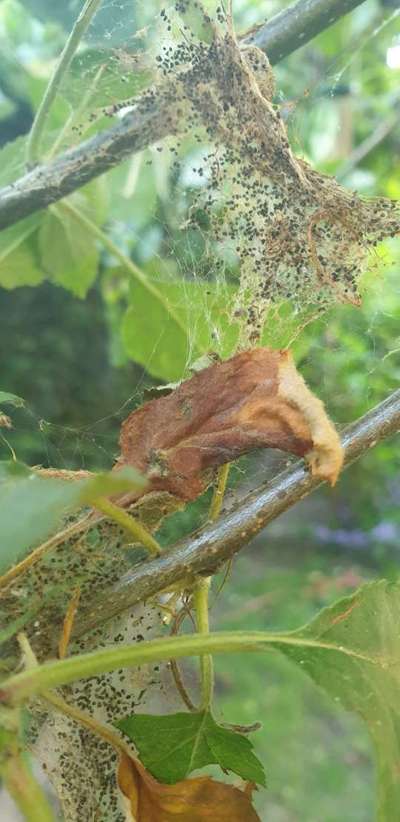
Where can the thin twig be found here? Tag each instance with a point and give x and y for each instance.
(80, 27)
(180, 686)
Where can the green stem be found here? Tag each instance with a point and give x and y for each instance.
(29, 658)
(200, 599)
(133, 269)
(219, 492)
(42, 549)
(80, 27)
(27, 794)
(130, 524)
(54, 674)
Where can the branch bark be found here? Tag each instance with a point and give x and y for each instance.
(47, 184)
(205, 551)
(295, 26)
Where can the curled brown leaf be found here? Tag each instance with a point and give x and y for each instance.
(255, 399)
(191, 800)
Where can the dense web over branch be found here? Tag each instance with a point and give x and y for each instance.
(298, 235)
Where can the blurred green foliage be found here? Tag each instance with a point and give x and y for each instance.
(81, 339)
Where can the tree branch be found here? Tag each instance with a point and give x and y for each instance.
(49, 183)
(205, 551)
(295, 26)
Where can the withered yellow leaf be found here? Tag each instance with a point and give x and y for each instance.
(192, 800)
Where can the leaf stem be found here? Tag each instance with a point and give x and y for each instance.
(133, 269)
(35, 555)
(62, 672)
(68, 624)
(200, 599)
(89, 722)
(219, 492)
(80, 26)
(128, 523)
(27, 794)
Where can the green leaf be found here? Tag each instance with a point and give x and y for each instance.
(32, 506)
(360, 667)
(152, 337)
(19, 269)
(11, 399)
(12, 469)
(102, 485)
(69, 254)
(18, 266)
(173, 746)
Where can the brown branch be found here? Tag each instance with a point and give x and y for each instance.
(205, 551)
(50, 182)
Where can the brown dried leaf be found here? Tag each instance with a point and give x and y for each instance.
(192, 800)
(256, 399)
(5, 421)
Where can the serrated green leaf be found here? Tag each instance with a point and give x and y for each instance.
(32, 506)
(11, 399)
(172, 746)
(152, 337)
(356, 659)
(69, 255)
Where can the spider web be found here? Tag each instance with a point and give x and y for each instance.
(154, 196)
(114, 65)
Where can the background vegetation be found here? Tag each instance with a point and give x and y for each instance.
(65, 349)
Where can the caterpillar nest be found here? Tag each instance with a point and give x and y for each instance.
(298, 234)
